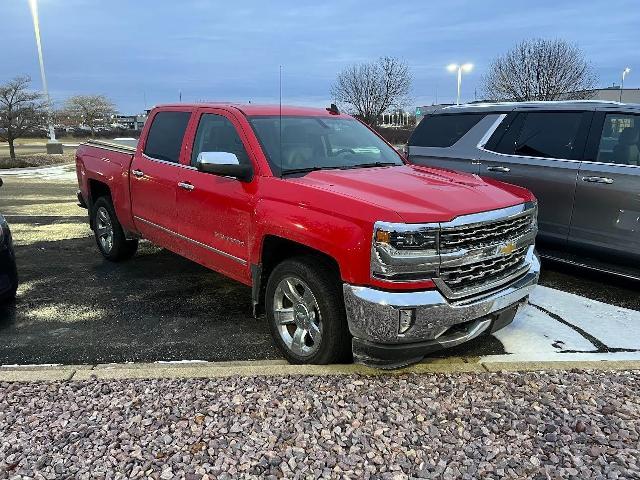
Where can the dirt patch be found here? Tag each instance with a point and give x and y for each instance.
(36, 160)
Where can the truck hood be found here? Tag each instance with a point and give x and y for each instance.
(418, 194)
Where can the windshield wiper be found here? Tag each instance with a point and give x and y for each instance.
(371, 164)
(289, 171)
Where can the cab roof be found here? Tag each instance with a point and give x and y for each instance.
(251, 109)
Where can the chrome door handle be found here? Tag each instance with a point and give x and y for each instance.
(137, 173)
(476, 162)
(499, 169)
(605, 180)
(186, 186)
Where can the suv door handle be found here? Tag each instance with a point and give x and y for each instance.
(186, 186)
(499, 169)
(605, 180)
(137, 173)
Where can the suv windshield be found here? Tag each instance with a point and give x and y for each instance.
(301, 144)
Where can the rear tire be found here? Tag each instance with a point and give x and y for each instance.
(305, 311)
(110, 237)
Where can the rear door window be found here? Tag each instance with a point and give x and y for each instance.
(443, 130)
(548, 135)
(166, 133)
(620, 140)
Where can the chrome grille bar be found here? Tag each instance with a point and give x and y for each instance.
(481, 235)
(489, 252)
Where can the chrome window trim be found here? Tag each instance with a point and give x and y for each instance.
(166, 162)
(195, 242)
(607, 164)
(524, 157)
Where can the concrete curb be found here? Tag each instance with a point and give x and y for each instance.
(281, 368)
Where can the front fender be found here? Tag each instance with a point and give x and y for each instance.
(346, 240)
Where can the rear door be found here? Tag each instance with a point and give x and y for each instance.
(450, 140)
(541, 151)
(214, 212)
(607, 207)
(154, 175)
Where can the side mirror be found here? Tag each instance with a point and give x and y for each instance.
(224, 164)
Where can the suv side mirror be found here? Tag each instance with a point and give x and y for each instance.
(225, 164)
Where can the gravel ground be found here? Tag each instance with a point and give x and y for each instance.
(513, 425)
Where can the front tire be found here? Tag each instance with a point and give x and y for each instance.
(110, 237)
(305, 311)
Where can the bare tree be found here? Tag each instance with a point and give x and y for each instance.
(90, 110)
(21, 111)
(540, 69)
(370, 89)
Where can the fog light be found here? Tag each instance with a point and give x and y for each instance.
(406, 318)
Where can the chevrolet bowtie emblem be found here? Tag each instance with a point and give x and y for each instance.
(507, 248)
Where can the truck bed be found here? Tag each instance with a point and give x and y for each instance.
(107, 163)
(123, 146)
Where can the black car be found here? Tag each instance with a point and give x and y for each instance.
(8, 270)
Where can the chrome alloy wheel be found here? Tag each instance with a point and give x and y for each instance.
(104, 229)
(297, 316)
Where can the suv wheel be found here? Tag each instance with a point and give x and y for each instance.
(109, 234)
(305, 310)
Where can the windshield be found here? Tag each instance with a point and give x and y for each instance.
(314, 143)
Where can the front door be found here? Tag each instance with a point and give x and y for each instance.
(541, 151)
(154, 174)
(607, 207)
(214, 212)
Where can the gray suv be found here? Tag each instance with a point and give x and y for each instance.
(580, 158)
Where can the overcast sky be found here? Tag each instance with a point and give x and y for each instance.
(145, 52)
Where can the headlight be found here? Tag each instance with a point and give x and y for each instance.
(404, 252)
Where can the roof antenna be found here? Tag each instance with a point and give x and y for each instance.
(280, 121)
(333, 109)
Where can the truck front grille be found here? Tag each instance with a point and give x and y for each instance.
(481, 275)
(468, 237)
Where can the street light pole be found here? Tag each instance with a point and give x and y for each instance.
(454, 67)
(624, 74)
(53, 146)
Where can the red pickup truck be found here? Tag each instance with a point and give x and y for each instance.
(348, 249)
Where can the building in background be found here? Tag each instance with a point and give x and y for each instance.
(614, 94)
(129, 122)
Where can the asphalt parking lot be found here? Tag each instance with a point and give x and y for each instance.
(75, 308)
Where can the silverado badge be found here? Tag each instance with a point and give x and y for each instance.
(506, 249)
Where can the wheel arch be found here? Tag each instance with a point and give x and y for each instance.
(275, 250)
(97, 189)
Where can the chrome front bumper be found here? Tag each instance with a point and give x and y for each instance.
(374, 318)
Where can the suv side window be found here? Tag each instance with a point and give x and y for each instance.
(542, 134)
(164, 140)
(443, 130)
(620, 140)
(549, 135)
(217, 134)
